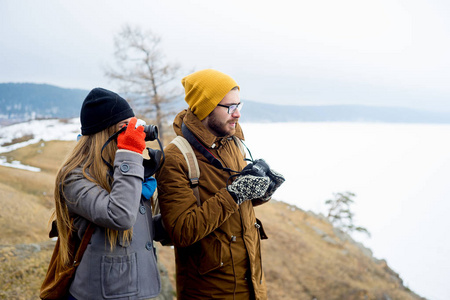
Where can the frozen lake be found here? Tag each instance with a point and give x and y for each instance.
(400, 174)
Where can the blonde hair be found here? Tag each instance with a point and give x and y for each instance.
(86, 154)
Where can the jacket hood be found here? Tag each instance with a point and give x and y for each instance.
(199, 130)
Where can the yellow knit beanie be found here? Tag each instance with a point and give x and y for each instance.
(205, 89)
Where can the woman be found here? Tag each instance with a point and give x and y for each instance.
(101, 183)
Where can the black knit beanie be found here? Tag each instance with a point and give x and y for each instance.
(102, 109)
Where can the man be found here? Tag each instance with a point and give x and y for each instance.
(217, 242)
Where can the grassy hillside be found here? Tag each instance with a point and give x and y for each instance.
(304, 257)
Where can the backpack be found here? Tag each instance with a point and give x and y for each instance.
(58, 278)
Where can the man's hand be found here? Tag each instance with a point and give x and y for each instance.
(276, 180)
(248, 187)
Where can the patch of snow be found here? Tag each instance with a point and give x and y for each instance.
(17, 165)
(41, 130)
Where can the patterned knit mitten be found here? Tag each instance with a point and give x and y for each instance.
(277, 180)
(248, 187)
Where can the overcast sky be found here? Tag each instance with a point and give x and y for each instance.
(384, 52)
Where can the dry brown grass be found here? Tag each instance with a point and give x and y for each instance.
(47, 156)
(23, 218)
(302, 259)
(23, 267)
(305, 257)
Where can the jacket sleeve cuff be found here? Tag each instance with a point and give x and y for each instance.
(129, 163)
(129, 151)
(228, 198)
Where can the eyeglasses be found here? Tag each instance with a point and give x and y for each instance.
(232, 108)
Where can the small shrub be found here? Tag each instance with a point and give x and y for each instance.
(340, 215)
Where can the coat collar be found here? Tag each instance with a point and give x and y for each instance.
(200, 131)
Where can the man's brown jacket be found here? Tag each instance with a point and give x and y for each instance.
(217, 244)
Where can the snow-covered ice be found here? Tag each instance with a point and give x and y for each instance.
(38, 130)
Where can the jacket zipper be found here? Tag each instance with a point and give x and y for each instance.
(233, 239)
(260, 254)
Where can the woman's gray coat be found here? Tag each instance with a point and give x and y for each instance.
(129, 271)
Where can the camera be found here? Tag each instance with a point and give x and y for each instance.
(260, 168)
(257, 168)
(151, 131)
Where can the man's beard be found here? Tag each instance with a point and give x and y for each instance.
(220, 128)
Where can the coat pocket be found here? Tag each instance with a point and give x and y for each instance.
(260, 227)
(119, 276)
(211, 254)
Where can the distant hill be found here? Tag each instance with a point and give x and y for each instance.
(24, 101)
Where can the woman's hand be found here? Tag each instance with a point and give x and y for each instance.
(132, 139)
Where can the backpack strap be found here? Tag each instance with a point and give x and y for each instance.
(155, 203)
(83, 245)
(192, 163)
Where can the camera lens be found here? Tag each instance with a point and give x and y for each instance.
(151, 132)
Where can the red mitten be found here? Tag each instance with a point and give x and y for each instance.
(132, 138)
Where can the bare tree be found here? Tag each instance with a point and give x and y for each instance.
(340, 215)
(144, 75)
